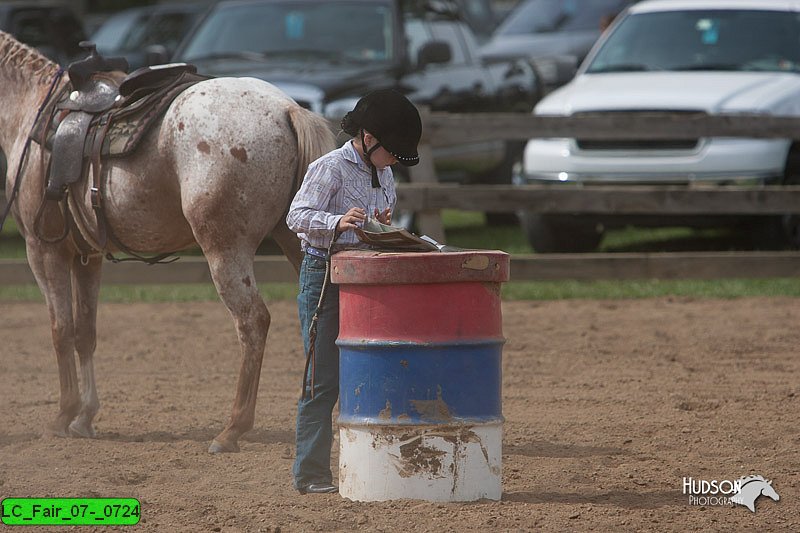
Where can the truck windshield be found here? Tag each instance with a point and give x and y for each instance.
(304, 31)
(737, 40)
(548, 16)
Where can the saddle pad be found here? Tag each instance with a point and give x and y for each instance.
(128, 125)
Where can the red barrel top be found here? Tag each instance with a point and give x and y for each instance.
(361, 267)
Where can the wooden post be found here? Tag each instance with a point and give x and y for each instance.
(429, 221)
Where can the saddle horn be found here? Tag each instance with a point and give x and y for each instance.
(80, 71)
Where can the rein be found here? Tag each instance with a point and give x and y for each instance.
(311, 356)
(22, 159)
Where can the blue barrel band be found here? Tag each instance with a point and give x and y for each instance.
(406, 383)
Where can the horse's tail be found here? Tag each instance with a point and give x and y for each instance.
(314, 139)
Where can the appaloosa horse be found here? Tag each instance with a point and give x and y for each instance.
(218, 171)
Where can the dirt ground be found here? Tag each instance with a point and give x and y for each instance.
(608, 406)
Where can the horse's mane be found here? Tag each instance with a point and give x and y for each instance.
(24, 62)
(745, 480)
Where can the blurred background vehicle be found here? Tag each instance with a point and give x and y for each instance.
(555, 35)
(703, 56)
(327, 54)
(51, 27)
(147, 35)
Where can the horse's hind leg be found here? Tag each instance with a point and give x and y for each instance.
(52, 272)
(86, 285)
(232, 272)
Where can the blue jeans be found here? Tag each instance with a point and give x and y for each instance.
(314, 435)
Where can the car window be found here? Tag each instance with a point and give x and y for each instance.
(114, 31)
(703, 40)
(479, 15)
(301, 30)
(160, 28)
(546, 16)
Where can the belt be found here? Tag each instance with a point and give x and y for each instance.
(317, 252)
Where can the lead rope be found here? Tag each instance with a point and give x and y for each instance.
(23, 157)
(311, 356)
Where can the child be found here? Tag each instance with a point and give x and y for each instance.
(338, 192)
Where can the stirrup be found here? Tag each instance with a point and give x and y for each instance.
(54, 193)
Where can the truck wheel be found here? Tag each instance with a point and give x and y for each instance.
(560, 233)
(505, 174)
(790, 223)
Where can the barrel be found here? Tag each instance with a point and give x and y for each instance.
(420, 374)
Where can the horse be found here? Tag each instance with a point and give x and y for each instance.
(219, 172)
(751, 488)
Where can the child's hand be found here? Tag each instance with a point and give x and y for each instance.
(385, 217)
(351, 220)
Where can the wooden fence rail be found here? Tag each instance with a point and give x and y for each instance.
(445, 129)
(631, 200)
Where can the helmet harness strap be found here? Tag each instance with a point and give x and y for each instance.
(368, 152)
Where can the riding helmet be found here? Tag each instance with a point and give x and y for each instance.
(392, 119)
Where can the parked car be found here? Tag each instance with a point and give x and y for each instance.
(327, 54)
(51, 27)
(147, 35)
(555, 35)
(707, 56)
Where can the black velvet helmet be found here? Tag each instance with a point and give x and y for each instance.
(390, 118)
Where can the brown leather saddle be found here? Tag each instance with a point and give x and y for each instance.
(104, 112)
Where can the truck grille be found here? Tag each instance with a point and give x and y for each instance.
(638, 144)
(634, 144)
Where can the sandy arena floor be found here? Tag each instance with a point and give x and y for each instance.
(608, 406)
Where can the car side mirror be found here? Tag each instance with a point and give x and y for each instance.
(434, 52)
(156, 54)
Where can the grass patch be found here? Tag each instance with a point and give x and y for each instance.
(468, 229)
(192, 292)
(612, 290)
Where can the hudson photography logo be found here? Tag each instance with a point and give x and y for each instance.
(743, 491)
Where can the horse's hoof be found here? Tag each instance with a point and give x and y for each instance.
(82, 431)
(217, 447)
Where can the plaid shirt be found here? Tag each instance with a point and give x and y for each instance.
(333, 184)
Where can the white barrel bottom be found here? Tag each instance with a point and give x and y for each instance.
(433, 463)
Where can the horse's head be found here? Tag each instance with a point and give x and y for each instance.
(769, 491)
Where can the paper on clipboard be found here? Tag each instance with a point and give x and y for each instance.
(386, 237)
